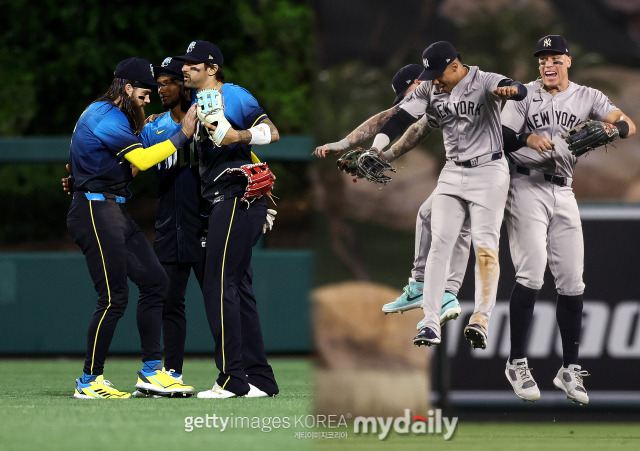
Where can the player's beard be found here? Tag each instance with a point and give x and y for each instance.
(117, 95)
(134, 112)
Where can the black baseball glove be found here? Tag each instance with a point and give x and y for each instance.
(372, 166)
(365, 164)
(589, 135)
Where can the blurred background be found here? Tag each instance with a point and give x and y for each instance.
(338, 250)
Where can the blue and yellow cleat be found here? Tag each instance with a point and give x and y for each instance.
(98, 388)
(450, 309)
(162, 383)
(411, 298)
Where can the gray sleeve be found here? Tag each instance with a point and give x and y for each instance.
(417, 102)
(601, 106)
(514, 115)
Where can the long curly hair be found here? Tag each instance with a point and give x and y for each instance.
(117, 92)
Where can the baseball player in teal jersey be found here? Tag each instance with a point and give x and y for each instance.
(103, 146)
(234, 228)
(466, 103)
(404, 82)
(543, 221)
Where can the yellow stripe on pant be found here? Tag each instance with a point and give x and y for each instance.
(224, 257)
(106, 277)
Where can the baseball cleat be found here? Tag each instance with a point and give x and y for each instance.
(477, 335)
(217, 392)
(450, 309)
(162, 383)
(98, 388)
(570, 381)
(410, 298)
(255, 392)
(426, 337)
(139, 394)
(519, 375)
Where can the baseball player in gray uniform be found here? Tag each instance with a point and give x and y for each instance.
(474, 181)
(405, 81)
(543, 221)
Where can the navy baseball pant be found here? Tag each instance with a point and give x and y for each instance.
(229, 299)
(115, 248)
(174, 320)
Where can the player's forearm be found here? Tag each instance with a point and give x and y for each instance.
(369, 128)
(144, 158)
(411, 138)
(623, 123)
(261, 134)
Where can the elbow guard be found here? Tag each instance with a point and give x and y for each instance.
(397, 124)
(512, 140)
(522, 91)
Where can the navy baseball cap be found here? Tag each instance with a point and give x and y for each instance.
(403, 79)
(553, 43)
(170, 67)
(202, 52)
(436, 58)
(137, 69)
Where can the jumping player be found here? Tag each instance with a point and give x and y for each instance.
(102, 146)
(404, 82)
(180, 229)
(543, 221)
(466, 103)
(233, 229)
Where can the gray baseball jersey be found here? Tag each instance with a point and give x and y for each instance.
(469, 116)
(544, 114)
(543, 220)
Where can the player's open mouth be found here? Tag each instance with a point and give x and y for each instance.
(550, 74)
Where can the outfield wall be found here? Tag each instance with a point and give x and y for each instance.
(46, 300)
(610, 342)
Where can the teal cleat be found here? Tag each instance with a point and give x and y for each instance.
(411, 298)
(450, 309)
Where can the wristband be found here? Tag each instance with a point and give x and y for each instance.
(179, 139)
(340, 145)
(522, 138)
(388, 155)
(381, 141)
(623, 128)
(260, 134)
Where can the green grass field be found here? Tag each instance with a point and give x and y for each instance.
(37, 412)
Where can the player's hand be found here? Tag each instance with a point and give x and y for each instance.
(67, 185)
(322, 151)
(505, 92)
(268, 222)
(152, 118)
(231, 137)
(540, 143)
(189, 121)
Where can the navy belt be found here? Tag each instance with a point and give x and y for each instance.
(555, 179)
(477, 161)
(102, 197)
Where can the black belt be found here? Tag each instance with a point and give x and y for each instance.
(100, 196)
(477, 161)
(555, 179)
